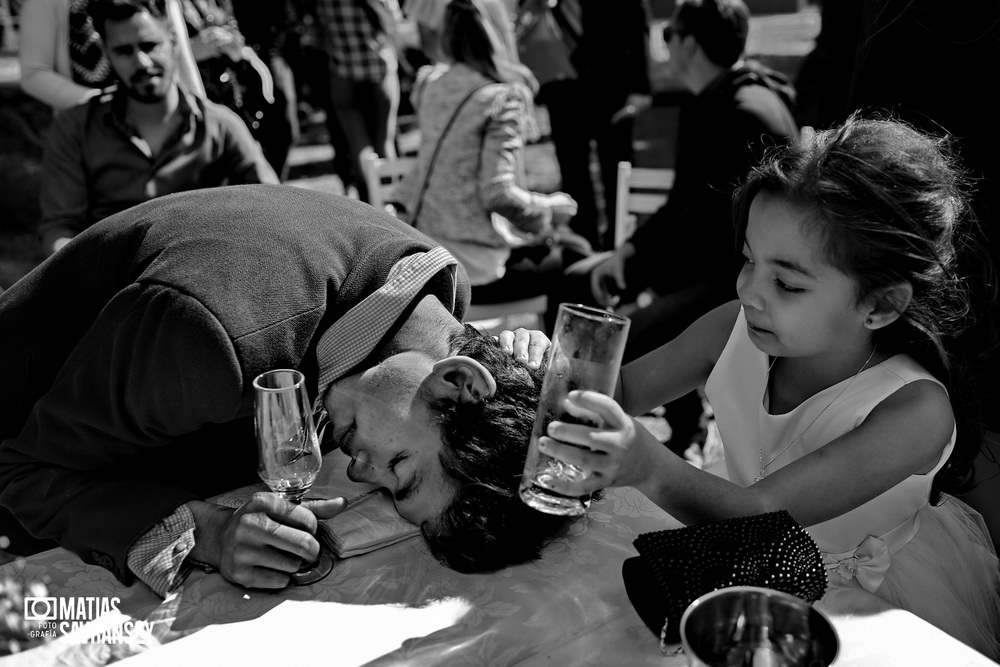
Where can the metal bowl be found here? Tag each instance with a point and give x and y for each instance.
(756, 627)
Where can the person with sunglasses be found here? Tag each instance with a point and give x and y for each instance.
(686, 251)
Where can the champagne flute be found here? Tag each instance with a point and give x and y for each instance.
(289, 456)
(286, 436)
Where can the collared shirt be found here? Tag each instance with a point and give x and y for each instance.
(157, 557)
(96, 164)
(358, 49)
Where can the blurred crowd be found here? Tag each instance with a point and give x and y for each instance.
(152, 98)
(161, 96)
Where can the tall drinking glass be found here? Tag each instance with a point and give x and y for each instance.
(586, 353)
(286, 436)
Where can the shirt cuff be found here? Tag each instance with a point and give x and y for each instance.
(157, 558)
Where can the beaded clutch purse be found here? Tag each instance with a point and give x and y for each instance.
(675, 567)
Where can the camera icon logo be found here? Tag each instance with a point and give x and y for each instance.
(39, 608)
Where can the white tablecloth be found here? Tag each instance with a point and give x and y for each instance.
(399, 606)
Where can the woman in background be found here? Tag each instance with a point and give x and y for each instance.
(467, 189)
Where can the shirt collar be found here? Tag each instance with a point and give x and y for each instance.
(187, 106)
(354, 336)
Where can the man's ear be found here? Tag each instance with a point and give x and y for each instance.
(462, 380)
(887, 304)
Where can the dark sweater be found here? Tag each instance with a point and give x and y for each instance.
(129, 356)
(722, 133)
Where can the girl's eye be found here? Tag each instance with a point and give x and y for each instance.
(784, 287)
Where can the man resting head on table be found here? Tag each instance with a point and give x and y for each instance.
(129, 359)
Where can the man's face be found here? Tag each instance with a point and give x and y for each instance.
(143, 55)
(381, 418)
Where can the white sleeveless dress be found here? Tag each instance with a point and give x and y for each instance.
(936, 561)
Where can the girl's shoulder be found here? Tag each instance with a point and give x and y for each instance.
(914, 403)
(902, 369)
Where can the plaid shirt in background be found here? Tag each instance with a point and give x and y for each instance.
(358, 49)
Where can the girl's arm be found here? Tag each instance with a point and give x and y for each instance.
(678, 366)
(904, 435)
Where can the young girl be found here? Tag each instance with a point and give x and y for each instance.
(828, 380)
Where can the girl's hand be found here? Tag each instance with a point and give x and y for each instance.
(525, 345)
(619, 453)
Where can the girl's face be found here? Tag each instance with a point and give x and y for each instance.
(796, 303)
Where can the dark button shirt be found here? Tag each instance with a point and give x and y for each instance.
(95, 164)
(724, 131)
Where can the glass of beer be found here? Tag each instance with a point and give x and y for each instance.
(586, 353)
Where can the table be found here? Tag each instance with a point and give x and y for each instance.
(399, 606)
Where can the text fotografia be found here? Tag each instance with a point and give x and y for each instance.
(51, 617)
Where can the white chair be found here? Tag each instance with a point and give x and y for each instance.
(640, 191)
(382, 175)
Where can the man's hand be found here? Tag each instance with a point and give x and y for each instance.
(525, 345)
(607, 279)
(262, 543)
(635, 104)
(570, 240)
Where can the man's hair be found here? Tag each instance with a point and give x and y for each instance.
(487, 526)
(102, 11)
(719, 26)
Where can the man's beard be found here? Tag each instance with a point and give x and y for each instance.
(146, 89)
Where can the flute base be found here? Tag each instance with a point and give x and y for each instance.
(317, 571)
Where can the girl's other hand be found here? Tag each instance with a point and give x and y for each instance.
(619, 453)
(525, 345)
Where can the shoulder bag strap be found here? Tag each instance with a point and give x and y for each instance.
(437, 148)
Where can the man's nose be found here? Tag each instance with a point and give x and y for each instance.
(363, 470)
(143, 59)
